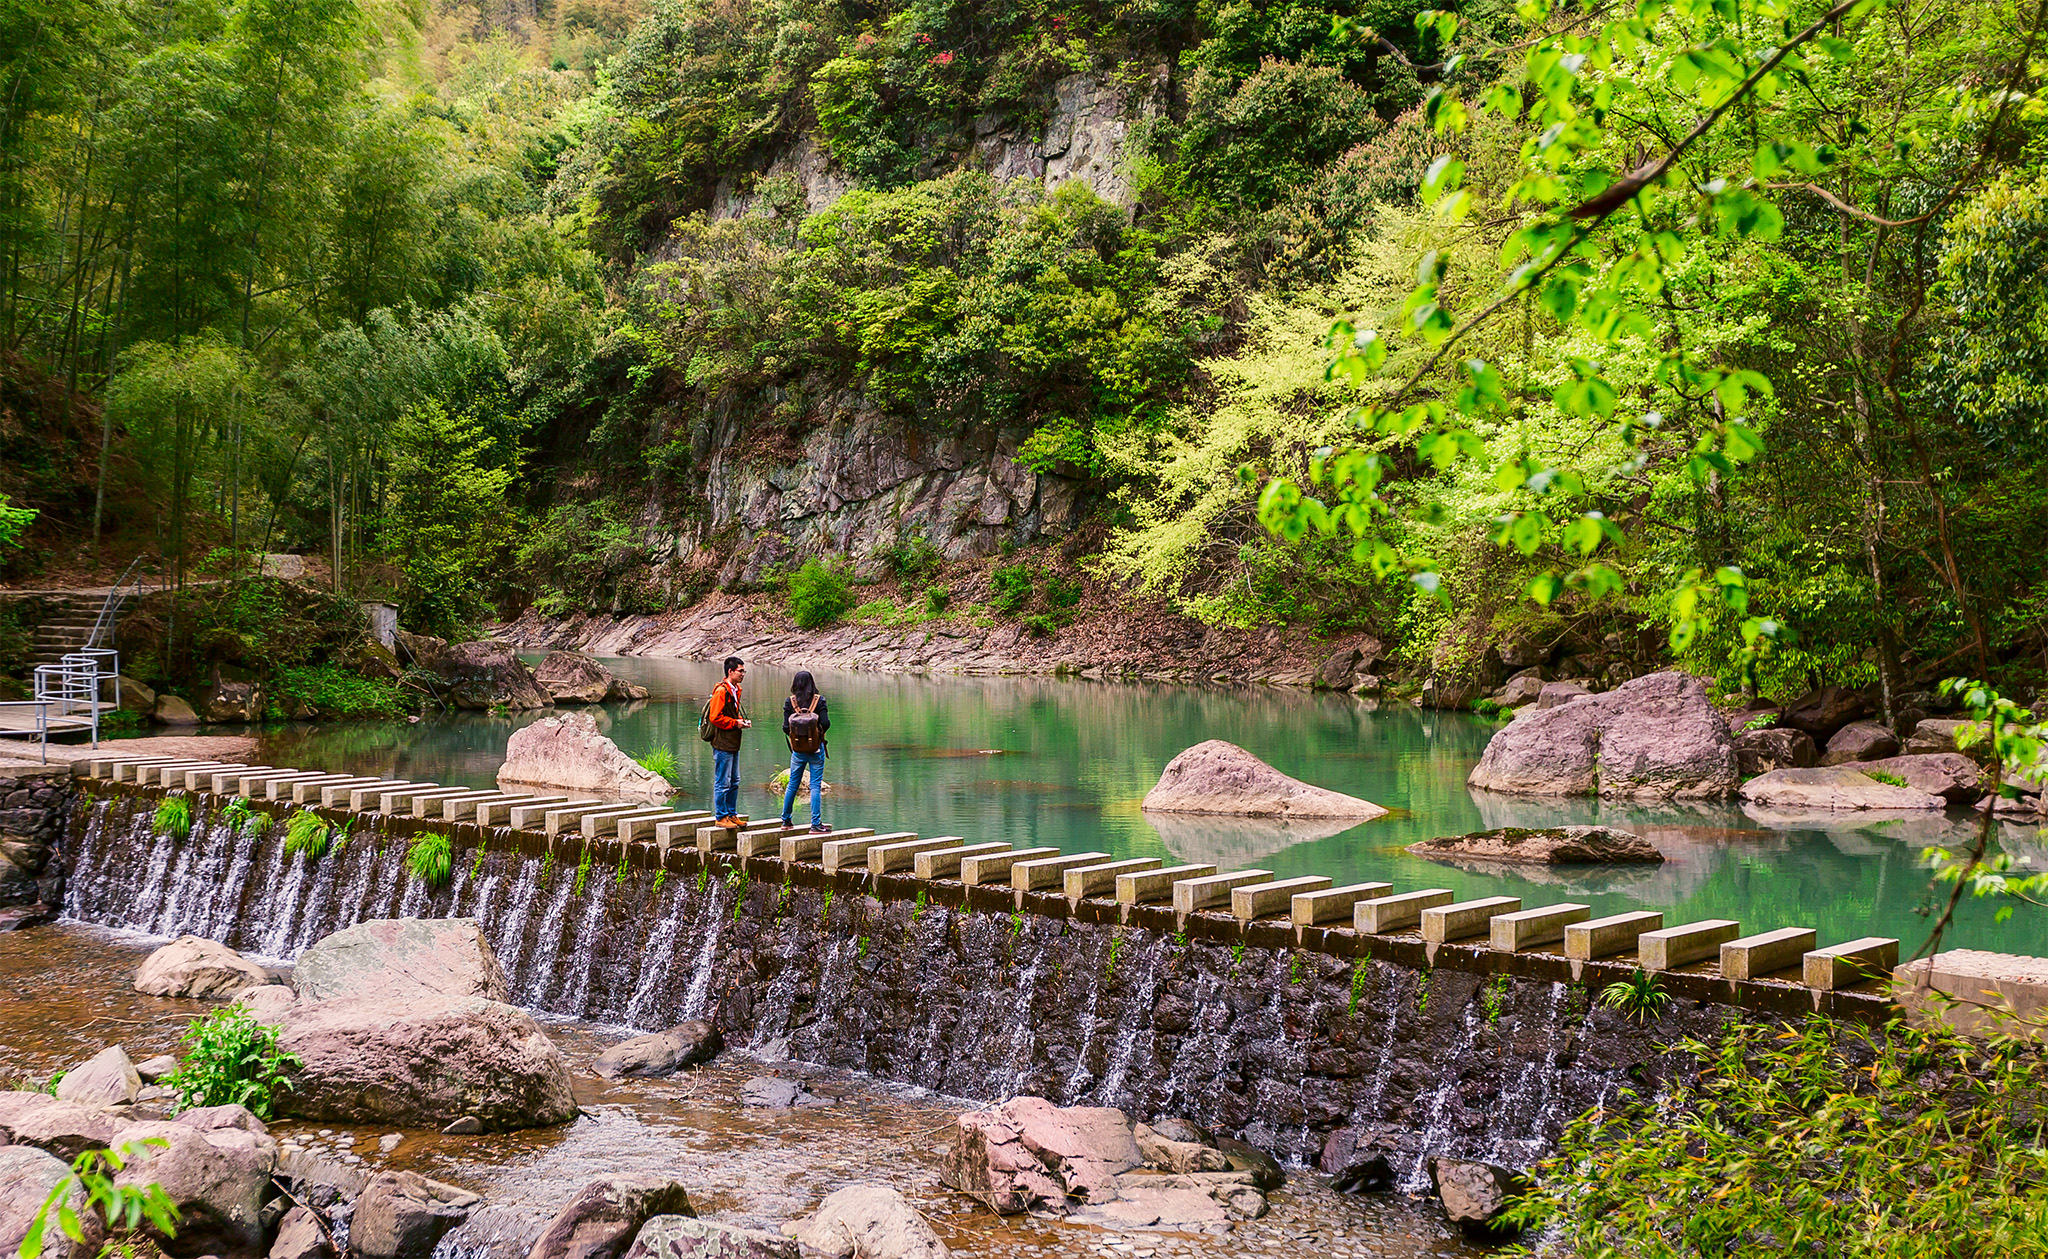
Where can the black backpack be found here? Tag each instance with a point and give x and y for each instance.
(806, 732)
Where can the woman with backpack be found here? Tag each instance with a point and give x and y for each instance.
(804, 722)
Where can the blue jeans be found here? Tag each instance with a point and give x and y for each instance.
(798, 762)
(725, 783)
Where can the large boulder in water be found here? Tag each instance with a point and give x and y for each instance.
(1834, 788)
(194, 966)
(567, 751)
(402, 957)
(1220, 777)
(868, 1221)
(216, 1177)
(601, 1221)
(660, 1053)
(574, 678)
(482, 674)
(1028, 1152)
(424, 1062)
(28, 1176)
(403, 1215)
(1654, 738)
(1551, 845)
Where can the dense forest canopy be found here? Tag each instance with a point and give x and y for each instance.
(462, 296)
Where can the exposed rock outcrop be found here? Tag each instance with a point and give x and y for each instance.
(1222, 778)
(481, 674)
(568, 751)
(28, 1176)
(1833, 788)
(216, 1177)
(423, 1062)
(402, 1215)
(402, 957)
(685, 1237)
(194, 966)
(660, 1053)
(601, 1221)
(1554, 845)
(869, 1221)
(107, 1079)
(1954, 777)
(1028, 1152)
(1653, 738)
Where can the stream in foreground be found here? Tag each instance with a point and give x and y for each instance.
(1065, 762)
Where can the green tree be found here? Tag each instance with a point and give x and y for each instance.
(446, 514)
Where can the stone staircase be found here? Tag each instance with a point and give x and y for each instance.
(70, 626)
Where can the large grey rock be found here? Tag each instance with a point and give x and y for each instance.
(107, 1079)
(684, 1237)
(1822, 712)
(1553, 845)
(574, 678)
(1860, 741)
(601, 1221)
(267, 1003)
(402, 1215)
(485, 674)
(1561, 692)
(402, 957)
(172, 711)
(301, 1234)
(1474, 1194)
(1523, 688)
(216, 1177)
(27, 1178)
(1954, 777)
(1776, 747)
(194, 966)
(1028, 1152)
(1938, 734)
(868, 1221)
(568, 751)
(1222, 778)
(424, 1062)
(65, 1129)
(660, 1053)
(1834, 788)
(1656, 737)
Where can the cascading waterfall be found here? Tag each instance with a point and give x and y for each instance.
(968, 1002)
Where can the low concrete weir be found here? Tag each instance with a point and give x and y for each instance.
(1276, 1029)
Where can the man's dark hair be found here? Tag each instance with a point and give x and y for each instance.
(733, 662)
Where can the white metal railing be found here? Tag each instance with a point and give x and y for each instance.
(67, 698)
(110, 608)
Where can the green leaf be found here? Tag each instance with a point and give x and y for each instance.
(1544, 587)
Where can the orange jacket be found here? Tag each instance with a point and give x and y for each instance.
(722, 709)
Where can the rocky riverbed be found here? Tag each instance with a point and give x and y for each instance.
(66, 993)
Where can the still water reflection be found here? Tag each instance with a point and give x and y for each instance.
(1040, 761)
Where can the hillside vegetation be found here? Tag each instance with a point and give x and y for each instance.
(494, 307)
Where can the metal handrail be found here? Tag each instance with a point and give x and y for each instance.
(110, 608)
(40, 732)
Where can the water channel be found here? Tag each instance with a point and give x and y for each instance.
(1064, 762)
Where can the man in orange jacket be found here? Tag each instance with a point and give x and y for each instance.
(728, 720)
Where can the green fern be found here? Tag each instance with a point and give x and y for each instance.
(660, 762)
(305, 834)
(430, 859)
(241, 819)
(174, 816)
(1641, 996)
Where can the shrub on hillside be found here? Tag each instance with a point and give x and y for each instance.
(820, 593)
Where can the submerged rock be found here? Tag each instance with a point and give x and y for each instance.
(1220, 777)
(194, 966)
(601, 1221)
(403, 1215)
(869, 1221)
(400, 957)
(1553, 845)
(1835, 788)
(660, 1053)
(1654, 738)
(685, 1237)
(424, 1061)
(1475, 1194)
(28, 1176)
(216, 1177)
(107, 1079)
(568, 751)
(1028, 1152)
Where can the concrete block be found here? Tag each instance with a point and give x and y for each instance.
(1308, 909)
(307, 790)
(798, 844)
(202, 779)
(464, 808)
(337, 795)
(224, 782)
(122, 768)
(570, 817)
(682, 832)
(995, 867)
(641, 826)
(848, 850)
(1462, 920)
(1040, 873)
(1141, 887)
(256, 786)
(522, 814)
(362, 798)
(448, 808)
(1190, 895)
(400, 801)
(1604, 937)
(1384, 914)
(1527, 928)
(944, 863)
(1753, 957)
(1079, 882)
(725, 835)
(157, 775)
(605, 823)
(418, 802)
(1976, 992)
(1674, 947)
(499, 812)
(767, 841)
(902, 855)
(1846, 965)
(1256, 900)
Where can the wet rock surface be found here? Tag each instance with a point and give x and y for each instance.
(660, 1053)
(869, 1221)
(1555, 845)
(1654, 738)
(404, 1215)
(604, 1217)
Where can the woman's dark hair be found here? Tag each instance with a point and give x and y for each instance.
(801, 687)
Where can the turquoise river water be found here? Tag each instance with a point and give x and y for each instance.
(1064, 763)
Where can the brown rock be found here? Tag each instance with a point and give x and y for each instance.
(1562, 691)
(1177, 1156)
(423, 1062)
(574, 678)
(1555, 845)
(1029, 1152)
(1474, 1194)
(869, 1221)
(301, 1234)
(1952, 776)
(685, 1237)
(661, 1053)
(1776, 747)
(194, 966)
(1657, 737)
(402, 957)
(1860, 741)
(215, 1177)
(401, 1215)
(107, 1080)
(28, 1176)
(1523, 688)
(65, 1129)
(1938, 734)
(1835, 788)
(172, 711)
(486, 674)
(1820, 713)
(601, 1221)
(1221, 778)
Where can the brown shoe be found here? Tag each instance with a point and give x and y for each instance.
(729, 822)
